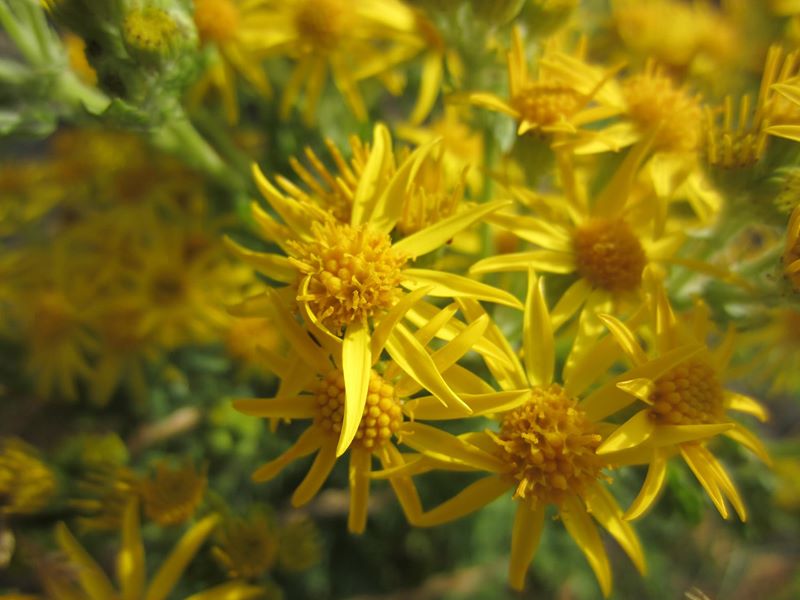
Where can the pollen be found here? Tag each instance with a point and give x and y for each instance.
(654, 102)
(173, 494)
(216, 20)
(689, 394)
(320, 24)
(150, 30)
(353, 273)
(383, 412)
(549, 445)
(609, 255)
(542, 104)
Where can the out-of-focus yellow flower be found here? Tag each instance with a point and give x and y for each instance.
(300, 546)
(26, 483)
(104, 489)
(253, 341)
(247, 547)
(347, 278)
(686, 404)
(173, 494)
(231, 28)
(131, 569)
(773, 357)
(787, 470)
(353, 41)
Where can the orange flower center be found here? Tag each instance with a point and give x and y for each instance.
(549, 445)
(216, 20)
(543, 104)
(689, 394)
(383, 413)
(320, 24)
(609, 255)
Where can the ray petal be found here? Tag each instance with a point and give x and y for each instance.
(471, 498)
(356, 362)
(528, 524)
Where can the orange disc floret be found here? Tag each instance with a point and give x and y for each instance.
(383, 412)
(550, 445)
(689, 394)
(609, 255)
(348, 274)
(542, 104)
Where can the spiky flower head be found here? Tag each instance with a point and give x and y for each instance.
(172, 495)
(247, 547)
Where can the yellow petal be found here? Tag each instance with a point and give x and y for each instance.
(412, 358)
(373, 175)
(172, 568)
(402, 485)
(449, 285)
(428, 408)
(570, 302)
(130, 560)
(455, 349)
(308, 442)
(90, 576)
(790, 132)
(583, 531)
(749, 440)
(471, 498)
(604, 508)
(491, 102)
(746, 404)
(439, 234)
(382, 330)
(360, 466)
(705, 475)
(640, 387)
(356, 362)
(295, 407)
(528, 523)
(273, 266)
(611, 201)
(633, 432)
(625, 338)
(537, 335)
(429, 88)
(725, 483)
(295, 216)
(442, 445)
(233, 590)
(651, 488)
(537, 231)
(672, 435)
(317, 474)
(549, 261)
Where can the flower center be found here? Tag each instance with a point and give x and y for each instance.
(173, 495)
(609, 255)
(319, 24)
(352, 273)
(383, 413)
(149, 29)
(543, 104)
(216, 20)
(689, 394)
(654, 102)
(167, 287)
(550, 446)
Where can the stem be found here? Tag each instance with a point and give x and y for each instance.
(74, 91)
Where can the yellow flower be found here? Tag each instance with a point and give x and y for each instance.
(300, 545)
(173, 494)
(247, 547)
(686, 405)
(557, 101)
(346, 279)
(131, 569)
(26, 483)
(232, 28)
(773, 360)
(104, 489)
(315, 386)
(351, 40)
(544, 452)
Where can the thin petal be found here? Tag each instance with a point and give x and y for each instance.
(549, 261)
(130, 559)
(172, 568)
(528, 524)
(749, 440)
(633, 432)
(317, 474)
(471, 498)
(625, 338)
(310, 440)
(537, 335)
(440, 444)
(402, 485)
(429, 408)
(372, 177)
(705, 475)
(672, 435)
(449, 285)
(360, 466)
(604, 508)
(537, 231)
(570, 302)
(233, 590)
(747, 405)
(382, 330)
(610, 202)
(651, 488)
(356, 362)
(273, 266)
(583, 531)
(90, 576)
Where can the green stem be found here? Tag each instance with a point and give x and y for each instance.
(73, 91)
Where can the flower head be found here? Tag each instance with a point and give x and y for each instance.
(173, 494)
(26, 483)
(247, 547)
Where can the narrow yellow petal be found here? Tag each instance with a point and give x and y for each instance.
(580, 527)
(625, 338)
(611, 201)
(491, 102)
(412, 358)
(749, 440)
(273, 266)
(449, 285)
(172, 568)
(604, 508)
(747, 405)
(549, 261)
(705, 475)
(633, 432)
(640, 387)
(471, 498)
(429, 88)
(537, 231)
(317, 474)
(437, 235)
(455, 349)
(356, 362)
(307, 443)
(130, 559)
(373, 176)
(360, 466)
(725, 483)
(382, 330)
(296, 407)
(92, 580)
(790, 132)
(537, 335)
(429, 408)
(442, 445)
(528, 524)
(651, 488)
(233, 590)
(570, 302)
(297, 217)
(672, 435)
(402, 485)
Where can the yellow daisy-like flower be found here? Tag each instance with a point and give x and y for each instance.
(545, 452)
(247, 547)
(131, 569)
(686, 405)
(351, 40)
(316, 385)
(556, 101)
(232, 28)
(26, 483)
(347, 279)
(173, 494)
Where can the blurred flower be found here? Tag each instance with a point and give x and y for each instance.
(26, 483)
(173, 494)
(791, 250)
(247, 547)
(299, 546)
(104, 489)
